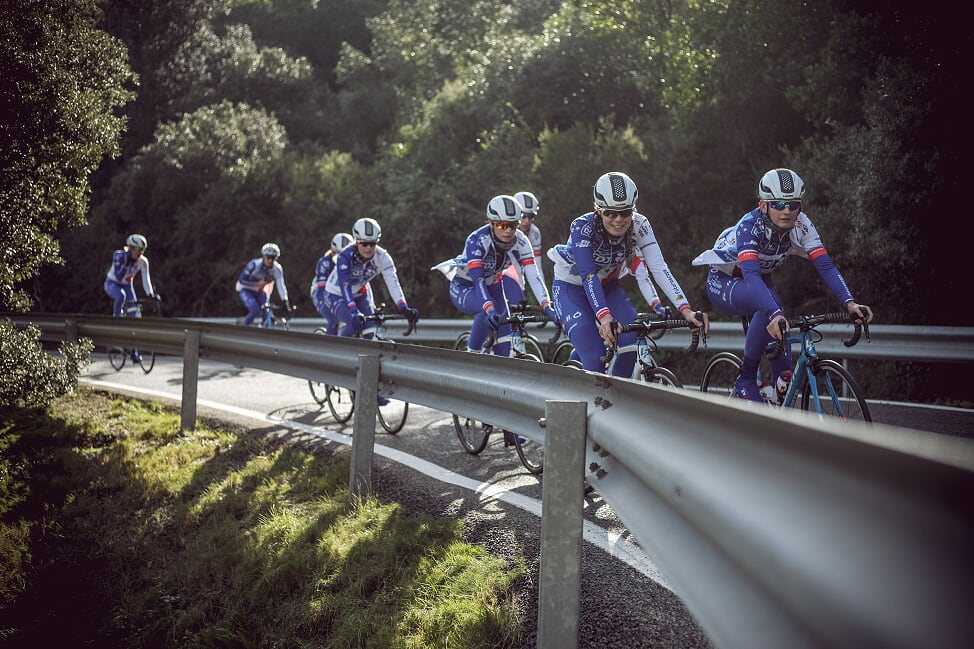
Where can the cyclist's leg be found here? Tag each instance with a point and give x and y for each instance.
(323, 307)
(251, 301)
(580, 325)
(365, 307)
(342, 313)
(116, 291)
(624, 312)
(733, 295)
(783, 362)
(468, 301)
(503, 345)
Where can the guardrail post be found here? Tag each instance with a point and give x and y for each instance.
(363, 427)
(70, 329)
(191, 374)
(562, 497)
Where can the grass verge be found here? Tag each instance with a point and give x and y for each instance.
(118, 530)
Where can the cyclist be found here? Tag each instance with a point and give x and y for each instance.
(348, 284)
(475, 275)
(586, 289)
(638, 269)
(126, 264)
(743, 258)
(513, 276)
(254, 284)
(325, 265)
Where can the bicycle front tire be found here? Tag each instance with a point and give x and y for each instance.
(531, 346)
(660, 376)
(116, 356)
(319, 390)
(830, 377)
(561, 353)
(392, 416)
(720, 375)
(341, 402)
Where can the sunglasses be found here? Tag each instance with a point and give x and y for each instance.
(794, 206)
(528, 215)
(366, 244)
(271, 257)
(505, 225)
(619, 214)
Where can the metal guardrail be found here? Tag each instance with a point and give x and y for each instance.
(774, 528)
(902, 342)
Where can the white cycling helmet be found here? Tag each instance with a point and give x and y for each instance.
(366, 230)
(503, 208)
(340, 241)
(137, 241)
(615, 191)
(270, 250)
(781, 184)
(529, 203)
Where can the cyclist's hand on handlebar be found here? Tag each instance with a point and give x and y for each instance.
(660, 309)
(700, 320)
(778, 327)
(411, 313)
(864, 313)
(548, 311)
(492, 319)
(608, 328)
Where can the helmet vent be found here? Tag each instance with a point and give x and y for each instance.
(787, 181)
(618, 185)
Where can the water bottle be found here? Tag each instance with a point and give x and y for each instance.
(781, 385)
(767, 392)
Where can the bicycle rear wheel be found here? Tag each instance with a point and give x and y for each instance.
(721, 374)
(341, 402)
(660, 376)
(319, 391)
(116, 356)
(147, 361)
(839, 394)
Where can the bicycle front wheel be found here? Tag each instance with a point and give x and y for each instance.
(660, 376)
(721, 374)
(531, 454)
(116, 356)
(319, 391)
(531, 346)
(472, 434)
(341, 402)
(561, 353)
(147, 361)
(838, 393)
(392, 416)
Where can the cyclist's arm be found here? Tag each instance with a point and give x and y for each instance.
(278, 272)
(648, 248)
(391, 277)
(474, 252)
(588, 271)
(146, 280)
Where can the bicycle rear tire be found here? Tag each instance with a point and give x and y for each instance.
(720, 375)
(530, 453)
(392, 416)
(116, 356)
(473, 434)
(830, 377)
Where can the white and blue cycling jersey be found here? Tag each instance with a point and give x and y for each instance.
(124, 269)
(322, 270)
(482, 259)
(591, 261)
(351, 276)
(754, 239)
(256, 272)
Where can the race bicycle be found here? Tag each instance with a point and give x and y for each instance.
(341, 401)
(473, 434)
(561, 353)
(118, 355)
(646, 369)
(818, 384)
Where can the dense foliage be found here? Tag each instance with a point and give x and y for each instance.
(31, 377)
(285, 120)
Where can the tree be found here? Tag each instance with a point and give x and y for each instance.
(63, 80)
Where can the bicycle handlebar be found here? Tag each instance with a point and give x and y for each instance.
(808, 322)
(379, 318)
(644, 327)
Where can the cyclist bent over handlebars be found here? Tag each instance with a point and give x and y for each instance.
(743, 258)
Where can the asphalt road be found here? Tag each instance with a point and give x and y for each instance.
(626, 601)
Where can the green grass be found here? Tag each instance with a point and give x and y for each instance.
(118, 530)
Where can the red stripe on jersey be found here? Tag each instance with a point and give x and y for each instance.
(815, 253)
(747, 255)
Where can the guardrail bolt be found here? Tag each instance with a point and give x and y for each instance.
(543, 422)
